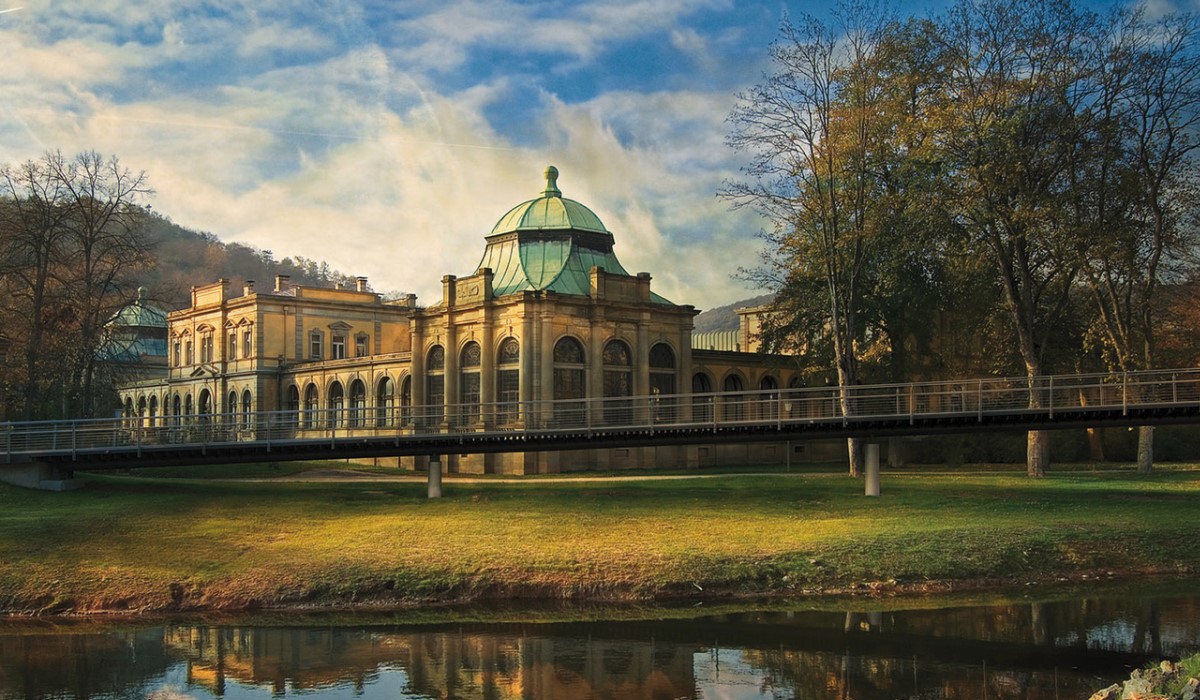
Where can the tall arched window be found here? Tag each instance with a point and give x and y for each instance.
(618, 383)
(205, 402)
(406, 400)
(152, 409)
(187, 406)
(231, 407)
(702, 399)
(385, 399)
(768, 398)
(311, 406)
(337, 403)
(508, 381)
(358, 404)
(435, 385)
(247, 403)
(468, 382)
(662, 383)
(733, 404)
(177, 409)
(569, 382)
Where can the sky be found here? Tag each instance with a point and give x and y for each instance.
(387, 138)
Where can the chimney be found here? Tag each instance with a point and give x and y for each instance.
(282, 282)
(360, 284)
(248, 289)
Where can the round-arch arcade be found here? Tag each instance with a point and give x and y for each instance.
(549, 313)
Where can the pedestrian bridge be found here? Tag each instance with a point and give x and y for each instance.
(874, 411)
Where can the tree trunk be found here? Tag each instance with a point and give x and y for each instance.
(1037, 452)
(854, 451)
(1145, 455)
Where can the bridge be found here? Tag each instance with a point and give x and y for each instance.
(50, 451)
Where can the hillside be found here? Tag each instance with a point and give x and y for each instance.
(725, 318)
(187, 258)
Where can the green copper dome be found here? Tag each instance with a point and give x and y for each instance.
(550, 243)
(549, 212)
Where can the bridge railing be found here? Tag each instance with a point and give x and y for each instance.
(768, 409)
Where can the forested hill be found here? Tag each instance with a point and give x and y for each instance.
(725, 318)
(187, 258)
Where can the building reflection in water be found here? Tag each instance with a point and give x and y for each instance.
(1029, 651)
(456, 663)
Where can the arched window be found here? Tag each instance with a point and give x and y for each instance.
(141, 411)
(311, 406)
(128, 410)
(508, 381)
(406, 400)
(733, 406)
(293, 405)
(177, 408)
(468, 382)
(231, 407)
(247, 403)
(187, 406)
(435, 385)
(662, 383)
(618, 383)
(702, 399)
(385, 399)
(337, 403)
(768, 398)
(152, 409)
(569, 382)
(358, 404)
(205, 402)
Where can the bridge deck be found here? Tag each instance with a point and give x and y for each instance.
(1053, 402)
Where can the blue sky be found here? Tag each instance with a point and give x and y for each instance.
(388, 137)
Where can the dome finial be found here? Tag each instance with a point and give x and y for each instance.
(552, 183)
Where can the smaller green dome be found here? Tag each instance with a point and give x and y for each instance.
(549, 212)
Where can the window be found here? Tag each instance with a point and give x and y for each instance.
(406, 400)
(662, 383)
(358, 404)
(231, 406)
(337, 403)
(316, 345)
(385, 398)
(435, 384)
(618, 383)
(247, 402)
(508, 381)
(189, 352)
(732, 405)
(361, 343)
(178, 354)
(468, 384)
(247, 344)
(569, 382)
(309, 419)
(206, 348)
(293, 405)
(231, 353)
(337, 347)
(702, 400)
(768, 398)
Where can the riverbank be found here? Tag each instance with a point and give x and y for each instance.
(151, 544)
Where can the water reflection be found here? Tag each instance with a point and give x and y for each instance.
(1032, 651)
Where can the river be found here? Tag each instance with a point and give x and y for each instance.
(862, 649)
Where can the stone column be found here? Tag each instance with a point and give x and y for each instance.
(435, 476)
(683, 380)
(451, 398)
(487, 369)
(417, 370)
(528, 351)
(595, 366)
(546, 360)
(872, 458)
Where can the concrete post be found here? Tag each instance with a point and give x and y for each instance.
(872, 455)
(435, 476)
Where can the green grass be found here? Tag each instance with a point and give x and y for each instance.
(160, 543)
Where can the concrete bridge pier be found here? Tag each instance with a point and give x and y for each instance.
(872, 458)
(40, 476)
(435, 476)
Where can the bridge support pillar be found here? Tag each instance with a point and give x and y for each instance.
(435, 476)
(43, 477)
(872, 457)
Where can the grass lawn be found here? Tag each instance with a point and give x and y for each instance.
(151, 543)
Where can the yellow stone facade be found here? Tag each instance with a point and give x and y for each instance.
(499, 343)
